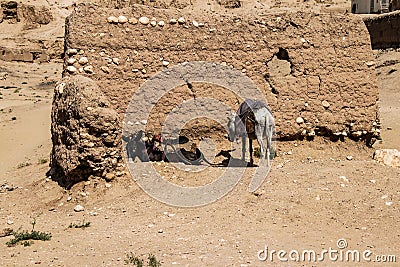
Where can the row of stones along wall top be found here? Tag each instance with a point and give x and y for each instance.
(316, 70)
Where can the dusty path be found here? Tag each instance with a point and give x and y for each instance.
(24, 136)
(25, 114)
(389, 79)
(303, 204)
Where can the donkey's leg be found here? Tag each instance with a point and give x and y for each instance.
(244, 148)
(268, 134)
(260, 134)
(251, 151)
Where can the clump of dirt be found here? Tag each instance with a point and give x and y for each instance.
(85, 133)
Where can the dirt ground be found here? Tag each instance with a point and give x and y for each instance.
(315, 194)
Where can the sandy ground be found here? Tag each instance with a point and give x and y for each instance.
(25, 112)
(303, 204)
(312, 197)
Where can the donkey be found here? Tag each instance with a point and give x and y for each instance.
(253, 120)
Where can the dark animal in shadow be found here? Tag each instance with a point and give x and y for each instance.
(231, 161)
(140, 146)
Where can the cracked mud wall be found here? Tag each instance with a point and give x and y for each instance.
(315, 70)
(301, 61)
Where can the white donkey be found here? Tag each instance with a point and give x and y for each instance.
(253, 120)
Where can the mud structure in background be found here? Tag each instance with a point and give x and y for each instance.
(16, 16)
(32, 16)
(384, 30)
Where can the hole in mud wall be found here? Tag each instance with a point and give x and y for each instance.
(282, 54)
(279, 66)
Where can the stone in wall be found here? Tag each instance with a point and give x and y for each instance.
(230, 3)
(119, 4)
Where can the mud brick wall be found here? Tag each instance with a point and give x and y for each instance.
(384, 30)
(317, 67)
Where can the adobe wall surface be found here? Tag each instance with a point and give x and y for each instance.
(384, 30)
(328, 59)
(316, 72)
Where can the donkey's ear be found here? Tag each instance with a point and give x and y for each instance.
(126, 138)
(230, 116)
